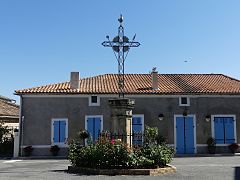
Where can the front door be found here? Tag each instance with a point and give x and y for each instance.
(185, 135)
(94, 126)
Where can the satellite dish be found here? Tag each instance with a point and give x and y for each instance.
(120, 43)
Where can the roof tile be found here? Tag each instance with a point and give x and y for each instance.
(141, 84)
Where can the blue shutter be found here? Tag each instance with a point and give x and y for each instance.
(229, 130)
(137, 130)
(56, 131)
(219, 130)
(189, 135)
(62, 131)
(90, 125)
(180, 135)
(97, 127)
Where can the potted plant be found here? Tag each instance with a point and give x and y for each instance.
(233, 147)
(28, 150)
(83, 134)
(54, 150)
(211, 145)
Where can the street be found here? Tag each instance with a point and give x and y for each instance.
(225, 167)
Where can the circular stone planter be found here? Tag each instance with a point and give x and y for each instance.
(113, 172)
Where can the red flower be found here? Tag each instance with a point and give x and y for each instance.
(113, 141)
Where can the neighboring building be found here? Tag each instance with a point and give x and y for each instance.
(186, 108)
(9, 113)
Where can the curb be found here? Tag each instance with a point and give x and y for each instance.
(114, 172)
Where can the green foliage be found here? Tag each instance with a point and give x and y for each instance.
(160, 154)
(6, 143)
(114, 154)
(54, 148)
(103, 154)
(211, 142)
(151, 134)
(3, 132)
(83, 134)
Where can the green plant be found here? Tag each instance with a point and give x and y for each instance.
(4, 130)
(28, 150)
(103, 154)
(54, 149)
(110, 153)
(151, 134)
(211, 142)
(83, 134)
(233, 147)
(160, 154)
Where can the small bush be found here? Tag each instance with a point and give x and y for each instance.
(103, 154)
(109, 153)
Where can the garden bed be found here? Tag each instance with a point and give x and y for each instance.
(113, 172)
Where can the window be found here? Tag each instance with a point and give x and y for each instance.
(94, 101)
(94, 125)
(224, 129)
(184, 101)
(59, 131)
(137, 129)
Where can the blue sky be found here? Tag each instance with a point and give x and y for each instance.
(42, 41)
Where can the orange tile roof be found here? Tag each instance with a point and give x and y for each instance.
(141, 84)
(8, 109)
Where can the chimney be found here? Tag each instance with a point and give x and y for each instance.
(154, 74)
(74, 81)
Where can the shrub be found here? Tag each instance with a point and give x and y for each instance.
(110, 153)
(28, 149)
(54, 148)
(151, 134)
(83, 134)
(233, 147)
(160, 154)
(104, 154)
(115, 154)
(74, 152)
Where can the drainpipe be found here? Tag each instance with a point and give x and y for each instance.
(22, 136)
(21, 118)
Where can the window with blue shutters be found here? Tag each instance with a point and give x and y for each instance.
(224, 130)
(59, 128)
(137, 129)
(94, 126)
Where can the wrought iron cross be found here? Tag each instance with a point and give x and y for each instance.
(121, 46)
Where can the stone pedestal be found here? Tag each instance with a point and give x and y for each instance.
(121, 114)
(16, 144)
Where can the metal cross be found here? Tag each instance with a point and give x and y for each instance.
(121, 46)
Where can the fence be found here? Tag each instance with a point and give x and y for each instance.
(136, 138)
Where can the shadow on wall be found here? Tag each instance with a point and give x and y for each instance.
(237, 173)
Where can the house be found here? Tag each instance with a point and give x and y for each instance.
(186, 108)
(9, 113)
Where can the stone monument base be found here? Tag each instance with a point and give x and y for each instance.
(121, 114)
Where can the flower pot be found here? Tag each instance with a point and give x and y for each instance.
(212, 149)
(55, 153)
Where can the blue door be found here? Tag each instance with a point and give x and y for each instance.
(94, 127)
(185, 135)
(137, 127)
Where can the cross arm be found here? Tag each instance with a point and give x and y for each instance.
(120, 44)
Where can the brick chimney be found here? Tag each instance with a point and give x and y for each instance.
(154, 74)
(74, 81)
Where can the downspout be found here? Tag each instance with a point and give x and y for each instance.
(21, 128)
